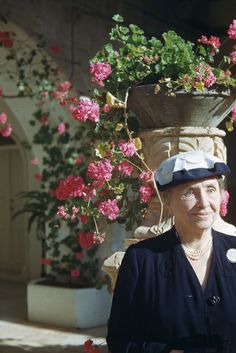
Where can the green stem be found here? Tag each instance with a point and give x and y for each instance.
(96, 226)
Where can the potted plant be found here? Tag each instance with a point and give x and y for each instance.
(118, 184)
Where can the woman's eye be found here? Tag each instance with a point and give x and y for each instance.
(188, 194)
(211, 190)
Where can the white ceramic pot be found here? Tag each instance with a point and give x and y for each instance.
(67, 307)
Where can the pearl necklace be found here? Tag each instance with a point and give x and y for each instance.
(198, 253)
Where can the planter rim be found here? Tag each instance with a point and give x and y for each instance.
(220, 91)
(40, 282)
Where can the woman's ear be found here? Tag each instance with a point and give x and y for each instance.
(224, 202)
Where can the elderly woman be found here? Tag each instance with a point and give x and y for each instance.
(177, 292)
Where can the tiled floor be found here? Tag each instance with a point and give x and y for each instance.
(17, 335)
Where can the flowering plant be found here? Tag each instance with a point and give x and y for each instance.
(68, 259)
(173, 61)
(118, 184)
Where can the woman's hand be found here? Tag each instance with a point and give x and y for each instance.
(176, 351)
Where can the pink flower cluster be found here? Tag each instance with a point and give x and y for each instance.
(127, 148)
(233, 113)
(232, 30)
(72, 186)
(61, 128)
(79, 255)
(100, 71)
(125, 168)
(109, 208)
(46, 261)
(233, 57)
(64, 86)
(6, 130)
(75, 272)
(224, 203)
(86, 240)
(6, 40)
(145, 176)
(101, 170)
(146, 192)
(38, 177)
(86, 110)
(35, 161)
(205, 75)
(213, 41)
(62, 213)
(62, 90)
(44, 120)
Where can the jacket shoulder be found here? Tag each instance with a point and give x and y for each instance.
(228, 239)
(160, 243)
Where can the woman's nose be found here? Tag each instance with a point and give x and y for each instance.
(203, 200)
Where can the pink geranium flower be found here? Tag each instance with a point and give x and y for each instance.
(233, 57)
(3, 118)
(232, 30)
(61, 212)
(106, 108)
(233, 113)
(35, 161)
(205, 74)
(38, 177)
(64, 86)
(75, 210)
(145, 176)
(6, 130)
(58, 94)
(109, 208)
(86, 240)
(146, 192)
(75, 272)
(61, 128)
(46, 261)
(83, 218)
(213, 41)
(99, 72)
(125, 168)
(79, 256)
(128, 148)
(79, 160)
(44, 120)
(86, 109)
(55, 49)
(101, 170)
(72, 186)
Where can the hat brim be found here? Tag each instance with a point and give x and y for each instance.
(184, 176)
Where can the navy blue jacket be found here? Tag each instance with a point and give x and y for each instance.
(159, 304)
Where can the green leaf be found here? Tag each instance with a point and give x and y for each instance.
(118, 18)
(135, 29)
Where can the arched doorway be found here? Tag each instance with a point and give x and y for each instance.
(13, 242)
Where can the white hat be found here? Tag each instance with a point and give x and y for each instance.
(188, 166)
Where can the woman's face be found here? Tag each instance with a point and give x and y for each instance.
(195, 205)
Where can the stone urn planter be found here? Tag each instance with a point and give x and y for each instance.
(67, 307)
(158, 110)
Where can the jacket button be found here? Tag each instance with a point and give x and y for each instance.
(214, 300)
